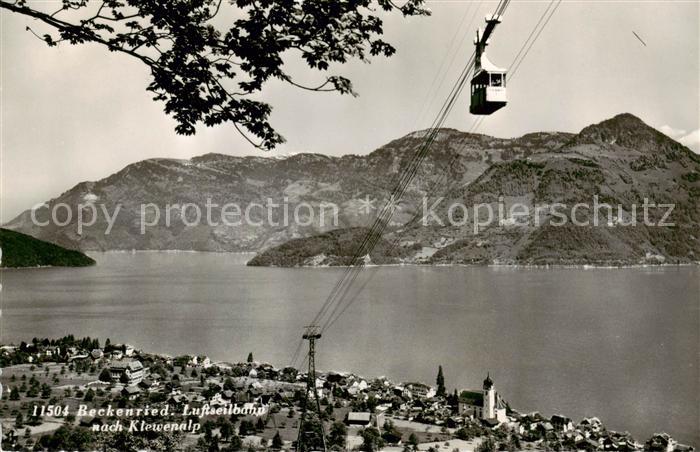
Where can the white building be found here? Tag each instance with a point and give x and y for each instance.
(486, 404)
(494, 406)
(133, 370)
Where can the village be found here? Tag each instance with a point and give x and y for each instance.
(78, 394)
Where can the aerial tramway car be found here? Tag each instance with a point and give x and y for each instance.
(488, 85)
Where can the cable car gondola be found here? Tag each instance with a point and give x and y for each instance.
(488, 85)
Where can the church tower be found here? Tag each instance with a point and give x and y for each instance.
(489, 411)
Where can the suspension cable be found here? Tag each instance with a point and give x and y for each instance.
(517, 61)
(338, 296)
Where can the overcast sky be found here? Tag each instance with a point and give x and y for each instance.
(76, 113)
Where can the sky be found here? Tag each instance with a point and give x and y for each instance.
(77, 113)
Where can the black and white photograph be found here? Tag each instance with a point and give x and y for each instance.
(350, 225)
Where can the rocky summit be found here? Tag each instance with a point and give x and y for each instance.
(618, 193)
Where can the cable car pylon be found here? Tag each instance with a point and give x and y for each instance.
(311, 435)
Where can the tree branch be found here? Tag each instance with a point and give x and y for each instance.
(191, 60)
(66, 26)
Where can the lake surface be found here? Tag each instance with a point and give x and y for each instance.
(621, 344)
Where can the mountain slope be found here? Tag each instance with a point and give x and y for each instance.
(331, 248)
(246, 181)
(20, 250)
(619, 162)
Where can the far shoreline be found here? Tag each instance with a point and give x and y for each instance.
(491, 265)
(583, 266)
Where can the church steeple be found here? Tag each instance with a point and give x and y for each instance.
(489, 410)
(488, 383)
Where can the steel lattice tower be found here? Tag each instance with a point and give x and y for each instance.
(311, 436)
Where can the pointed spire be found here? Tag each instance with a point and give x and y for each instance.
(488, 383)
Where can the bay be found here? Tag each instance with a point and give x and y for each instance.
(622, 344)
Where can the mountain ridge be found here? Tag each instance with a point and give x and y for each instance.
(599, 163)
(302, 177)
(620, 159)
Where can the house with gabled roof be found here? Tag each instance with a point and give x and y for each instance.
(133, 369)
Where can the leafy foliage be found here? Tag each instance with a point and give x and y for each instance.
(105, 375)
(390, 433)
(277, 441)
(371, 439)
(440, 381)
(336, 436)
(208, 73)
(487, 445)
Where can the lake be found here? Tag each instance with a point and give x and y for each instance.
(620, 344)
